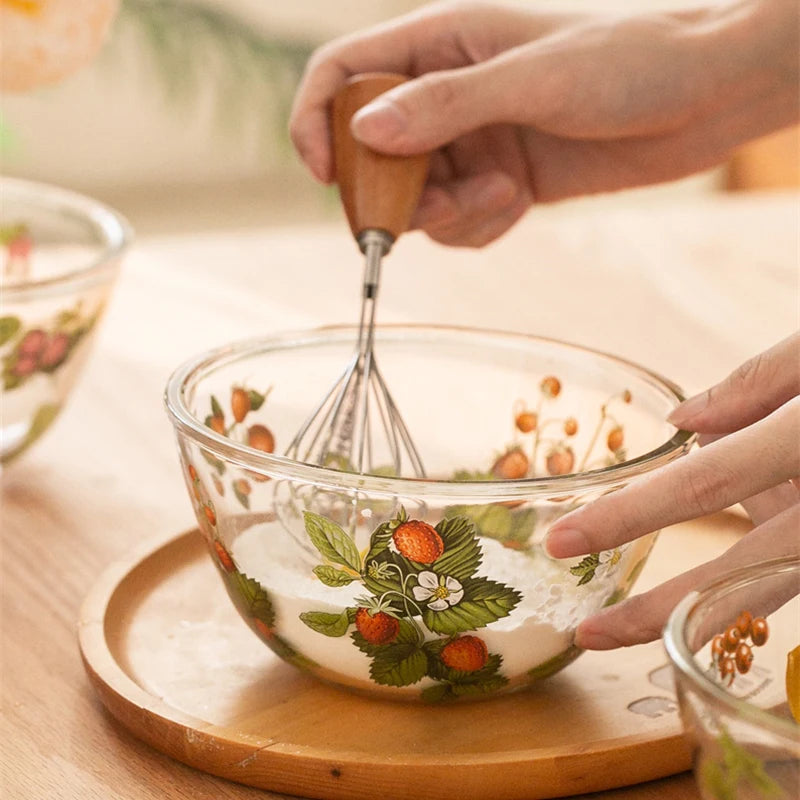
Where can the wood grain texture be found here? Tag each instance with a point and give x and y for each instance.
(377, 190)
(673, 288)
(173, 662)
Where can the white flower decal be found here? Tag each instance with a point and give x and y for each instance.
(440, 590)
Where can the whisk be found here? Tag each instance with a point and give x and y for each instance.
(357, 426)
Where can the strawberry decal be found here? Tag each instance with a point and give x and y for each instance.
(418, 541)
(377, 627)
(425, 599)
(465, 654)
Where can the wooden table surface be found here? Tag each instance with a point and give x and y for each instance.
(690, 290)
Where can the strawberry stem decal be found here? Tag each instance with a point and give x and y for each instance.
(425, 600)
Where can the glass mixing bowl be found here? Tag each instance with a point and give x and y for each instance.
(735, 652)
(60, 254)
(434, 588)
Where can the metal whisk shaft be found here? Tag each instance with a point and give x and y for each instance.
(342, 430)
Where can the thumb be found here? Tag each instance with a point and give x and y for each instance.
(434, 109)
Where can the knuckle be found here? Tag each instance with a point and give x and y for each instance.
(440, 92)
(702, 492)
(749, 379)
(634, 621)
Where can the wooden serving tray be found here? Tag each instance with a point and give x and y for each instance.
(173, 662)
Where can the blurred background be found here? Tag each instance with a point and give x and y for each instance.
(181, 121)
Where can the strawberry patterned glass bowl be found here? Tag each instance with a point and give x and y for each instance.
(434, 588)
(735, 652)
(59, 257)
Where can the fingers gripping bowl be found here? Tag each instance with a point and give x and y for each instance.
(434, 588)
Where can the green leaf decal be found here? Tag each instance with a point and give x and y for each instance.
(484, 601)
(586, 568)
(328, 624)
(332, 542)
(399, 665)
(256, 399)
(382, 535)
(217, 463)
(250, 597)
(216, 408)
(331, 576)
(241, 497)
(499, 522)
(462, 550)
(554, 664)
(9, 326)
(42, 420)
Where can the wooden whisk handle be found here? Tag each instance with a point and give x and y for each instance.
(378, 191)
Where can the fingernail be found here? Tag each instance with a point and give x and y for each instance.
(378, 121)
(587, 640)
(565, 543)
(688, 409)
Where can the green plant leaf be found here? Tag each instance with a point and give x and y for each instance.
(382, 535)
(407, 638)
(498, 521)
(328, 624)
(9, 326)
(241, 497)
(484, 602)
(42, 420)
(487, 686)
(399, 665)
(250, 597)
(216, 408)
(331, 576)
(217, 463)
(462, 551)
(586, 568)
(333, 543)
(256, 399)
(554, 664)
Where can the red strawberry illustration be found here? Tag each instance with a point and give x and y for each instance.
(240, 403)
(24, 365)
(378, 627)
(560, 461)
(465, 654)
(418, 541)
(32, 343)
(551, 386)
(260, 437)
(526, 421)
(263, 629)
(224, 556)
(20, 246)
(615, 439)
(511, 466)
(54, 351)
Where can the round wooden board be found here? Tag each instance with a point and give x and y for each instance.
(173, 662)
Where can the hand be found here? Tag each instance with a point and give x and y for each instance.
(750, 432)
(521, 107)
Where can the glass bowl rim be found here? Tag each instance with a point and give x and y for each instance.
(683, 660)
(242, 455)
(115, 230)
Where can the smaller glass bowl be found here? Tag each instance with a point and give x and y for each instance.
(60, 254)
(734, 688)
